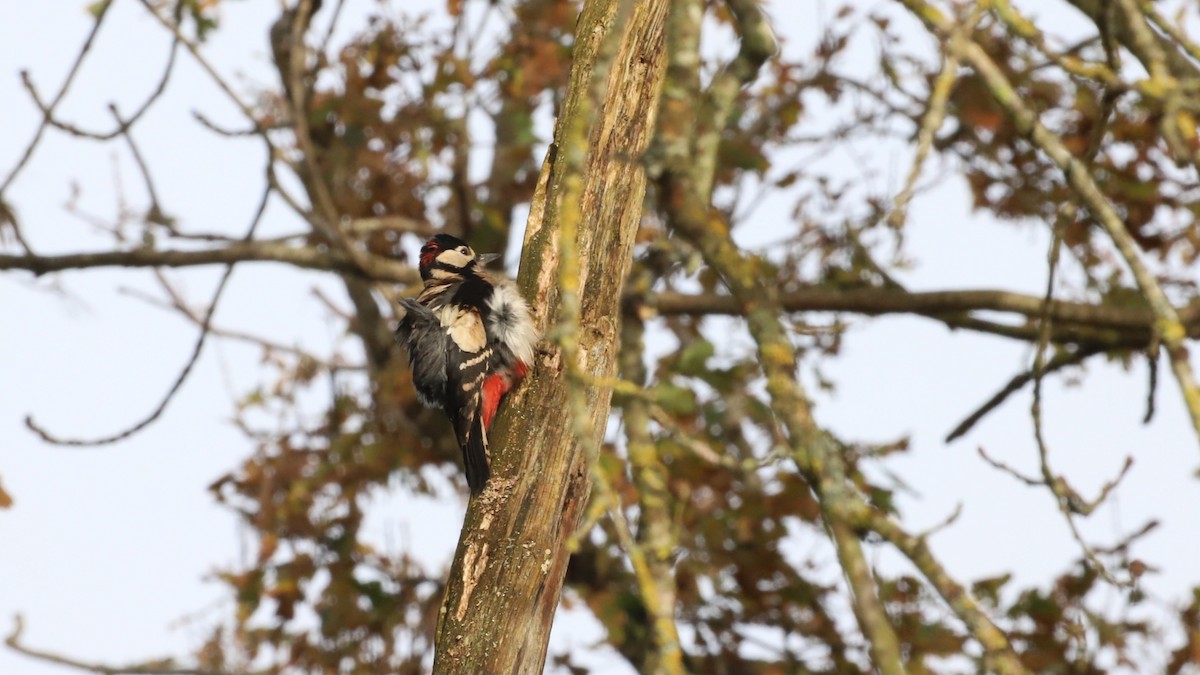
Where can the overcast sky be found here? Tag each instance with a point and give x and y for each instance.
(105, 550)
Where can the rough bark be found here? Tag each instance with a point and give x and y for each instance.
(506, 579)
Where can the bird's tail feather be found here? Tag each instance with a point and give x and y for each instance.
(475, 455)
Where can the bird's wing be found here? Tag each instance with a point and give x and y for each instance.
(422, 333)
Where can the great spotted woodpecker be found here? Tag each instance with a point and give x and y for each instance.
(470, 339)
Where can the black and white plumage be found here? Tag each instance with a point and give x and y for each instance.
(470, 339)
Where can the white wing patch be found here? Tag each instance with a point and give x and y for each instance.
(464, 327)
(510, 321)
(475, 360)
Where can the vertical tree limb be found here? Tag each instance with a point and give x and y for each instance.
(291, 60)
(508, 571)
(655, 535)
(686, 194)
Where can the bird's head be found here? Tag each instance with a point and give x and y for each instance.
(446, 256)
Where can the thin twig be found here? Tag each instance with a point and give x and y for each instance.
(178, 304)
(1058, 362)
(208, 68)
(323, 50)
(13, 642)
(1066, 498)
(48, 111)
(9, 225)
(1175, 32)
(156, 214)
(235, 133)
(187, 369)
(935, 114)
(1088, 192)
(1031, 482)
(1152, 385)
(123, 126)
(945, 523)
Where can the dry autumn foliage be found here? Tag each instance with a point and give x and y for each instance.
(672, 527)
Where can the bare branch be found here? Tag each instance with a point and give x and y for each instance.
(875, 301)
(1031, 482)
(945, 523)
(217, 78)
(1181, 66)
(164, 667)
(314, 258)
(1167, 321)
(1095, 327)
(187, 368)
(1100, 325)
(212, 126)
(123, 126)
(48, 111)
(8, 219)
(999, 655)
(1060, 361)
(156, 214)
(180, 306)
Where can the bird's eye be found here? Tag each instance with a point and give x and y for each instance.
(464, 250)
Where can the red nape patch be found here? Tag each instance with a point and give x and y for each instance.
(428, 255)
(494, 387)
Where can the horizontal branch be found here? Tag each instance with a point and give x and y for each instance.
(373, 267)
(164, 667)
(1132, 325)
(1076, 322)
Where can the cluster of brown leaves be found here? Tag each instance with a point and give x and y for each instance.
(1133, 166)
(395, 120)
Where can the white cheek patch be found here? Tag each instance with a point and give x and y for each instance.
(454, 259)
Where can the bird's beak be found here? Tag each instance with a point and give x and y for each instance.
(485, 258)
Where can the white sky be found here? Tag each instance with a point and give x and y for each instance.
(106, 548)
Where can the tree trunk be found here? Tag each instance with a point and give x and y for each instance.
(507, 576)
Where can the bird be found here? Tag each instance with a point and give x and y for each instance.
(470, 339)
